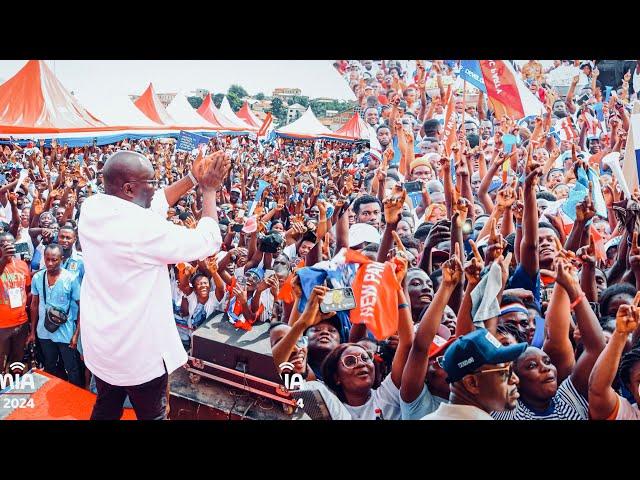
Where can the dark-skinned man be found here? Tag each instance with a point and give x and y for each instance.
(71, 259)
(130, 343)
(56, 289)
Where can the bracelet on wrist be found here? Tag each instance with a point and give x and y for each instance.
(403, 305)
(577, 301)
(192, 178)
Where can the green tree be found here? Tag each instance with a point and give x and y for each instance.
(234, 101)
(238, 91)
(304, 101)
(278, 110)
(195, 101)
(217, 99)
(259, 96)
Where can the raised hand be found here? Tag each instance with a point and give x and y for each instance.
(452, 269)
(212, 170)
(587, 254)
(627, 318)
(459, 206)
(473, 267)
(585, 210)
(497, 243)
(402, 261)
(506, 197)
(393, 204)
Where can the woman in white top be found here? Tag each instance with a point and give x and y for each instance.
(349, 372)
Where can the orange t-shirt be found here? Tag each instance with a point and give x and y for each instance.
(15, 275)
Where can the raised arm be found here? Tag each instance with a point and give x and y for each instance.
(558, 320)
(415, 370)
(602, 397)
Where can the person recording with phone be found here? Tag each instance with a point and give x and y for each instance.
(15, 295)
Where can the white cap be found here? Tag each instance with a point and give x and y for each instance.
(363, 232)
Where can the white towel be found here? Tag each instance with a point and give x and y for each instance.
(484, 298)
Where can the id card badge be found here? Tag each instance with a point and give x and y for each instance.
(15, 297)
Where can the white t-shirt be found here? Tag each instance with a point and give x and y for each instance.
(336, 407)
(385, 398)
(626, 411)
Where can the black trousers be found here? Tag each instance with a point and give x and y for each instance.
(70, 360)
(149, 399)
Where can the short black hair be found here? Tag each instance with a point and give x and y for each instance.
(430, 125)
(363, 200)
(422, 231)
(548, 225)
(409, 242)
(546, 195)
(53, 246)
(612, 291)
(384, 125)
(506, 299)
(627, 363)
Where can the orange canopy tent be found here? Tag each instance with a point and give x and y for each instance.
(248, 116)
(211, 114)
(354, 130)
(150, 105)
(34, 101)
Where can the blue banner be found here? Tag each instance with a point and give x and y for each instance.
(470, 71)
(187, 141)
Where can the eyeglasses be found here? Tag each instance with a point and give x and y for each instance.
(153, 182)
(440, 361)
(350, 361)
(505, 376)
(302, 342)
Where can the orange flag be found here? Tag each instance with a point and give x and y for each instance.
(450, 124)
(375, 288)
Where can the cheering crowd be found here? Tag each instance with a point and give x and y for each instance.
(497, 282)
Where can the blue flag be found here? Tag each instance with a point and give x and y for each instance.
(470, 71)
(188, 141)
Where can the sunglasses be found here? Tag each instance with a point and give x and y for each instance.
(350, 361)
(302, 342)
(440, 361)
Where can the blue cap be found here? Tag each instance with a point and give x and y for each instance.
(478, 348)
(259, 271)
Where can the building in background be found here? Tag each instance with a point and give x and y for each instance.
(165, 98)
(294, 111)
(287, 93)
(200, 93)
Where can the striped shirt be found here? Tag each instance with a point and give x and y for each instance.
(567, 404)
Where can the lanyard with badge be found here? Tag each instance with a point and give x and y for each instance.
(15, 294)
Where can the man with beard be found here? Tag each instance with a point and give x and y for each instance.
(368, 209)
(71, 259)
(481, 377)
(383, 134)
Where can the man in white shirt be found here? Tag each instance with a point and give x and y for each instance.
(480, 371)
(129, 337)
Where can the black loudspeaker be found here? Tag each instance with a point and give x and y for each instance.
(237, 357)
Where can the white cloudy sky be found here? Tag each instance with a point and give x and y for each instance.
(91, 78)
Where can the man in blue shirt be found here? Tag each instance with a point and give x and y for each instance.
(71, 258)
(57, 288)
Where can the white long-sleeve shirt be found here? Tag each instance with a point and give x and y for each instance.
(127, 322)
